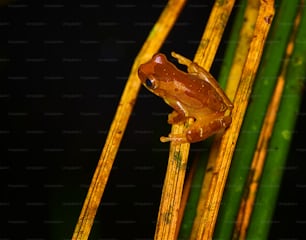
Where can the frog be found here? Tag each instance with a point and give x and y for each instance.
(194, 94)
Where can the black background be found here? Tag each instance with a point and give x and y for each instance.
(63, 68)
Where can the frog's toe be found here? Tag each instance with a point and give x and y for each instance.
(177, 138)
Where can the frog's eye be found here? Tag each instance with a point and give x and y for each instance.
(150, 83)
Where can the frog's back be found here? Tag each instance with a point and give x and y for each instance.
(204, 92)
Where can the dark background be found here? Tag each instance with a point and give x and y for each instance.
(63, 68)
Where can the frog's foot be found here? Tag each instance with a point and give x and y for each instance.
(181, 59)
(176, 138)
(192, 67)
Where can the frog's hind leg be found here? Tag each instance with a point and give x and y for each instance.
(199, 132)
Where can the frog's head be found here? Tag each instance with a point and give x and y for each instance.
(148, 72)
(157, 74)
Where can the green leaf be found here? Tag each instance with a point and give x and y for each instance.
(263, 89)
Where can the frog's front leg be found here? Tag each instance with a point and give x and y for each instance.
(181, 59)
(176, 117)
(192, 67)
(199, 131)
